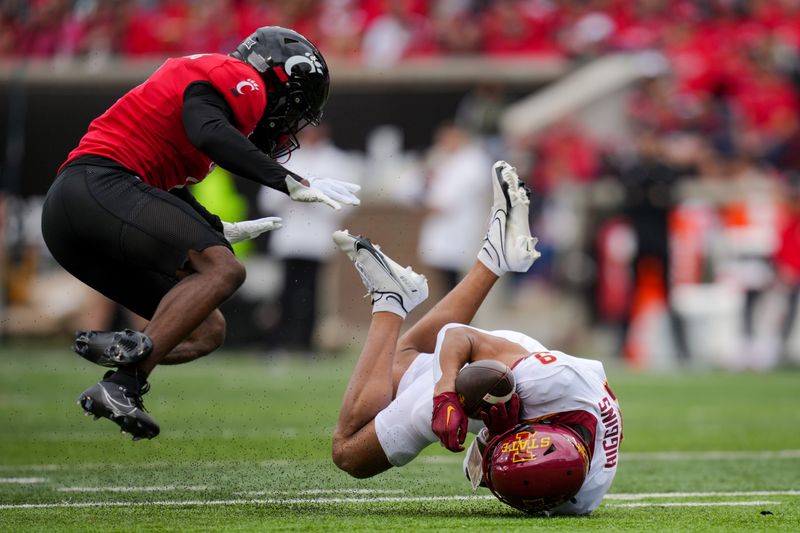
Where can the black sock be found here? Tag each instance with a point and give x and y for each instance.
(129, 377)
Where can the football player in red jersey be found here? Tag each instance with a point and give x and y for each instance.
(119, 217)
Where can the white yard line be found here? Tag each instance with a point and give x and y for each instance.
(162, 488)
(226, 434)
(352, 491)
(384, 499)
(625, 456)
(691, 504)
(278, 494)
(245, 501)
(732, 494)
(665, 456)
(175, 488)
(52, 467)
(320, 491)
(23, 480)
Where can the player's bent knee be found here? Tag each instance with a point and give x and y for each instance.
(217, 261)
(229, 276)
(339, 455)
(349, 462)
(232, 274)
(214, 329)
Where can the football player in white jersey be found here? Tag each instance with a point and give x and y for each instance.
(401, 395)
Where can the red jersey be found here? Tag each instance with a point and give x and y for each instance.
(143, 130)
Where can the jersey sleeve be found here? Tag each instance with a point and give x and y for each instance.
(554, 382)
(243, 91)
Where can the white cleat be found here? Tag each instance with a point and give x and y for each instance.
(393, 288)
(508, 245)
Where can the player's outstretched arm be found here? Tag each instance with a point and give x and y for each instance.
(209, 123)
(326, 190)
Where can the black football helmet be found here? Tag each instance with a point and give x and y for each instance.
(297, 81)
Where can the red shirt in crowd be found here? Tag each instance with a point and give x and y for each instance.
(787, 256)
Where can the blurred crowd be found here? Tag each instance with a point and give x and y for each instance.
(697, 33)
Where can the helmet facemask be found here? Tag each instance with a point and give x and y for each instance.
(288, 113)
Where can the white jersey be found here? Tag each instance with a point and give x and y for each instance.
(550, 384)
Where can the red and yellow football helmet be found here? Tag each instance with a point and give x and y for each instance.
(535, 467)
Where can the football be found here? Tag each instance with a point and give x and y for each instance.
(482, 384)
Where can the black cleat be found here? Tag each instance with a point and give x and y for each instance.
(121, 405)
(112, 348)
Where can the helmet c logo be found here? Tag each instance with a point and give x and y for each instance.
(308, 59)
(250, 85)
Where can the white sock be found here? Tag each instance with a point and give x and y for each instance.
(388, 303)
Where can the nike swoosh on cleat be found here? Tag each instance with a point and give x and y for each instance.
(129, 409)
(379, 257)
(501, 230)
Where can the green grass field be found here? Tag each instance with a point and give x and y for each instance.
(245, 446)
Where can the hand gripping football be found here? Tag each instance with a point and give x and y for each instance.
(482, 384)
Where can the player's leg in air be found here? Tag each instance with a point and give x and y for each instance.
(153, 254)
(386, 356)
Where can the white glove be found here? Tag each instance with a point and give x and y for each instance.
(325, 190)
(249, 229)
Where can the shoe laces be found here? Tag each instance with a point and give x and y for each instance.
(365, 279)
(136, 396)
